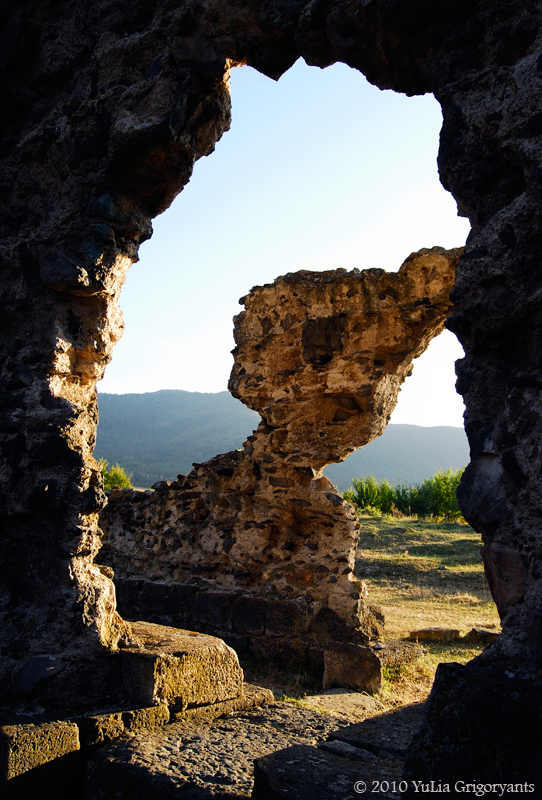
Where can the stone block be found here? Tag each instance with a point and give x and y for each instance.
(434, 635)
(289, 653)
(179, 668)
(214, 609)
(183, 621)
(98, 729)
(145, 719)
(352, 666)
(328, 626)
(181, 599)
(241, 644)
(39, 760)
(153, 597)
(252, 696)
(481, 636)
(249, 615)
(284, 618)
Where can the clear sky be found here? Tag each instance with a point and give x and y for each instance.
(320, 170)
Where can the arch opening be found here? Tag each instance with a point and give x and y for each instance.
(301, 207)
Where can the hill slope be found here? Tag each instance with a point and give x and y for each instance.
(160, 434)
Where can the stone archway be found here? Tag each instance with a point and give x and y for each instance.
(107, 109)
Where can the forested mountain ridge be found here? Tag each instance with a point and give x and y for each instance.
(158, 435)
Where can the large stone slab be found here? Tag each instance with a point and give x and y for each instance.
(39, 760)
(315, 773)
(179, 668)
(360, 759)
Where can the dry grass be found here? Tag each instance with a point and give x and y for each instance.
(424, 574)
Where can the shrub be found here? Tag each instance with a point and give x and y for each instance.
(434, 497)
(114, 477)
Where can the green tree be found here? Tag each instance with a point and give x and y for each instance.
(114, 477)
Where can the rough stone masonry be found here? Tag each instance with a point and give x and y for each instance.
(256, 545)
(106, 106)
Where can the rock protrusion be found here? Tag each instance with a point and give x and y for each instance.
(322, 355)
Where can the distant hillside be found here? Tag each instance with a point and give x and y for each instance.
(158, 435)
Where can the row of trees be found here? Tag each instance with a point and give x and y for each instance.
(434, 497)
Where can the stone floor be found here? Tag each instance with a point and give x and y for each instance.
(196, 731)
(275, 751)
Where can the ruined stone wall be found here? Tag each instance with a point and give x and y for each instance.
(321, 356)
(106, 105)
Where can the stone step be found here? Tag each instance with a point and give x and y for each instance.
(178, 668)
(171, 675)
(45, 759)
(39, 760)
(95, 730)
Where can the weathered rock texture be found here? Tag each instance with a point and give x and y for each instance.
(106, 107)
(217, 760)
(321, 356)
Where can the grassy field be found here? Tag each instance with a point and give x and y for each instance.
(424, 574)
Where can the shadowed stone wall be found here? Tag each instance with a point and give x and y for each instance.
(104, 115)
(106, 107)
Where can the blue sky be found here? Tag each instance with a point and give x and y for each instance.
(319, 170)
